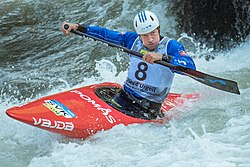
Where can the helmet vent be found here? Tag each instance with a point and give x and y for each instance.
(151, 18)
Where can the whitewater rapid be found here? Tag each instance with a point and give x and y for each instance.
(213, 132)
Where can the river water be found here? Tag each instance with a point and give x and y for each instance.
(36, 60)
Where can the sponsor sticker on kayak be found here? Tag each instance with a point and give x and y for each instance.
(106, 112)
(59, 109)
(69, 126)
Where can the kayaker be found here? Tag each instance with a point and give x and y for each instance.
(147, 84)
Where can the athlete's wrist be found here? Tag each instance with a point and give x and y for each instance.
(166, 58)
(81, 28)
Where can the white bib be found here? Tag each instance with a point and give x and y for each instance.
(150, 81)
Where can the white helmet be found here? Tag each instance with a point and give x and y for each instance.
(145, 22)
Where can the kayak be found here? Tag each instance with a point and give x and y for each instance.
(82, 112)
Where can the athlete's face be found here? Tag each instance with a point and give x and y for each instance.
(151, 39)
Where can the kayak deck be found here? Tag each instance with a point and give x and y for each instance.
(82, 112)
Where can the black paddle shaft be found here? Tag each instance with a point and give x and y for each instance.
(209, 80)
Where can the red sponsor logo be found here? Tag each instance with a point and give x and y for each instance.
(183, 53)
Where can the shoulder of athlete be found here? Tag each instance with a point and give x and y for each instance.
(175, 48)
(129, 38)
(179, 56)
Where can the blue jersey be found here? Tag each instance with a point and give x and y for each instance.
(126, 39)
(159, 78)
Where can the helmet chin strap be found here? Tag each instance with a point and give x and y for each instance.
(159, 31)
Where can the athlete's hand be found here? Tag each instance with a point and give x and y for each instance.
(151, 57)
(71, 27)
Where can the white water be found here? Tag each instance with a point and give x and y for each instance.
(213, 132)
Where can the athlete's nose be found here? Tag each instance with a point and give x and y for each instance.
(150, 38)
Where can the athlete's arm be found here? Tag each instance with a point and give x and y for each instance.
(125, 39)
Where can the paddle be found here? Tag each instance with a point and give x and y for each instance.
(215, 82)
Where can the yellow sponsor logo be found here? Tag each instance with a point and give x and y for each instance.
(142, 51)
(59, 109)
(55, 110)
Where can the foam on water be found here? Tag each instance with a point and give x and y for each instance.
(214, 132)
